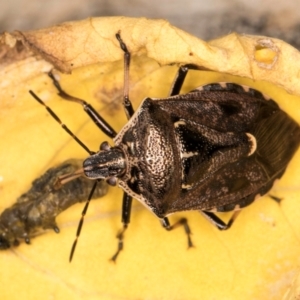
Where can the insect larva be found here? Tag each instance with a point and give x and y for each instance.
(37, 209)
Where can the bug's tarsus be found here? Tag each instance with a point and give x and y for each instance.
(55, 117)
(182, 222)
(120, 237)
(82, 220)
(217, 222)
(126, 211)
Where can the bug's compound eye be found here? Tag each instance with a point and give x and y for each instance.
(4, 243)
(112, 181)
(105, 146)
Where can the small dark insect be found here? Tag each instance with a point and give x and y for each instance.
(214, 149)
(37, 209)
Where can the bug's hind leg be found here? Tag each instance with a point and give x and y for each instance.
(217, 222)
(182, 222)
(126, 211)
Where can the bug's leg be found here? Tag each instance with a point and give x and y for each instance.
(92, 113)
(178, 81)
(126, 210)
(126, 101)
(182, 222)
(212, 218)
(180, 77)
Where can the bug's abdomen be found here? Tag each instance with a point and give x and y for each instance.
(278, 138)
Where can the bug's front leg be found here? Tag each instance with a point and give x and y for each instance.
(126, 211)
(182, 222)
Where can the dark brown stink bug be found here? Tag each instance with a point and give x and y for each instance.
(37, 209)
(213, 149)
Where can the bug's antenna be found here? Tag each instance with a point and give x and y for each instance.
(57, 119)
(82, 220)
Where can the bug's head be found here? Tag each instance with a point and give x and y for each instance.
(108, 163)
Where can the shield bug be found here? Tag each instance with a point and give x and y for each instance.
(213, 149)
(37, 209)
